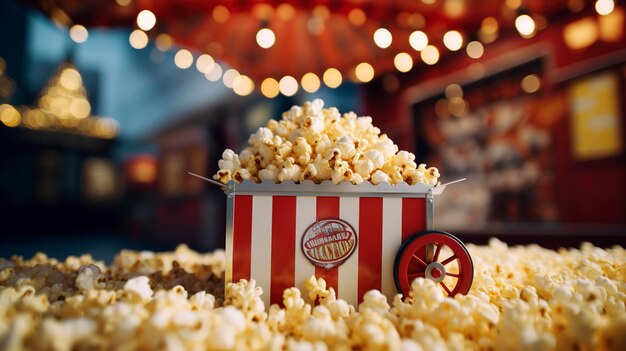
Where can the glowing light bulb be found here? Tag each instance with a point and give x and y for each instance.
(403, 62)
(525, 25)
(288, 85)
(146, 20)
(79, 34)
(265, 38)
(418, 40)
(453, 40)
(430, 55)
(310, 82)
(382, 38)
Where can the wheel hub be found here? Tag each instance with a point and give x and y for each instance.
(435, 271)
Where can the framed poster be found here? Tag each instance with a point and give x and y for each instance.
(595, 117)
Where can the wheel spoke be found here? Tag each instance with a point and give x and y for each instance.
(453, 274)
(416, 274)
(445, 287)
(448, 260)
(420, 260)
(437, 252)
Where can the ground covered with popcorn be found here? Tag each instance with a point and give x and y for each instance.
(314, 143)
(523, 298)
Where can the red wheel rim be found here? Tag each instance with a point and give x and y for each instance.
(413, 262)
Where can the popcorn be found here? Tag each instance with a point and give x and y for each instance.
(314, 143)
(522, 298)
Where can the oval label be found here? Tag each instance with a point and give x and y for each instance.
(327, 243)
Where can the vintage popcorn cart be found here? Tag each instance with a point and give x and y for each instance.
(356, 237)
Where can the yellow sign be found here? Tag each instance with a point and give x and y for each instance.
(595, 123)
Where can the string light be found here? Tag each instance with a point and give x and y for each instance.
(453, 40)
(205, 63)
(79, 34)
(265, 38)
(146, 20)
(138, 39)
(357, 17)
(403, 62)
(269, 88)
(310, 82)
(418, 40)
(382, 38)
(332, 78)
(430, 55)
(183, 59)
(475, 49)
(525, 26)
(364, 72)
(531, 83)
(163, 42)
(229, 77)
(288, 85)
(604, 7)
(215, 73)
(243, 85)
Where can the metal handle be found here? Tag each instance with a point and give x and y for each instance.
(221, 185)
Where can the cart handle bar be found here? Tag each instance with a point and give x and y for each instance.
(221, 185)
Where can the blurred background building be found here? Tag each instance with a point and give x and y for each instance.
(106, 105)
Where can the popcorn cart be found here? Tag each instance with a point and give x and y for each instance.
(356, 237)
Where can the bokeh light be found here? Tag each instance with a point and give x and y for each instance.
(146, 20)
(364, 72)
(310, 82)
(79, 34)
(418, 40)
(269, 88)
(430, 55)
(138, 39)
(382, 38)
(288, 85)
(332, 78)
(403, 62)
(183, 59)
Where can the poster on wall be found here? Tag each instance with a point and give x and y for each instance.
(595, 121)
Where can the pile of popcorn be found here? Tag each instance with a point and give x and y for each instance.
(314, 143)
(523, 298)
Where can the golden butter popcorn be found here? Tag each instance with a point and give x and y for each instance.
(314, 143)
(523, 298)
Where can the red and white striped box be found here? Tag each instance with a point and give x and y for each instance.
(266, 224)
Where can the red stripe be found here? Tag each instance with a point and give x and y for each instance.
(370, 244)
(283, 246)
(328, 207)
(413, 216)
(242, 234)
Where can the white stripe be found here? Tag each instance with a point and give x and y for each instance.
(392, 239)
(261, 244)
(348, 276)
(305, 216)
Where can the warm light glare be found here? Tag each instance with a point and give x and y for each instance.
(269, 88)
(418, 40)
(70, 79)
(531, 83)
(80, 108)
(525, 25)
(9, 116)
(453, 40)
(604, 7)
(357, 17)
(123, 2)
(146, 20)
(364, 72)
(285, 11)
(611, 26)
(488, 31)
(138, 39)
(205, 63)
(243, 85)
(220, 14)
(288, 85)
(79, 34)
(382, 38)
(163, 42)
(430, 55)
(215, 73)
(229, 77)
(453, 91)
(513, 4)
(332, 78)
(183, 59)
(475, 49)
(265, 38)
(310, 82)
(581, 34)
(403, 62)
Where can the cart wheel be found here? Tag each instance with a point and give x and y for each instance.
(454, 273)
